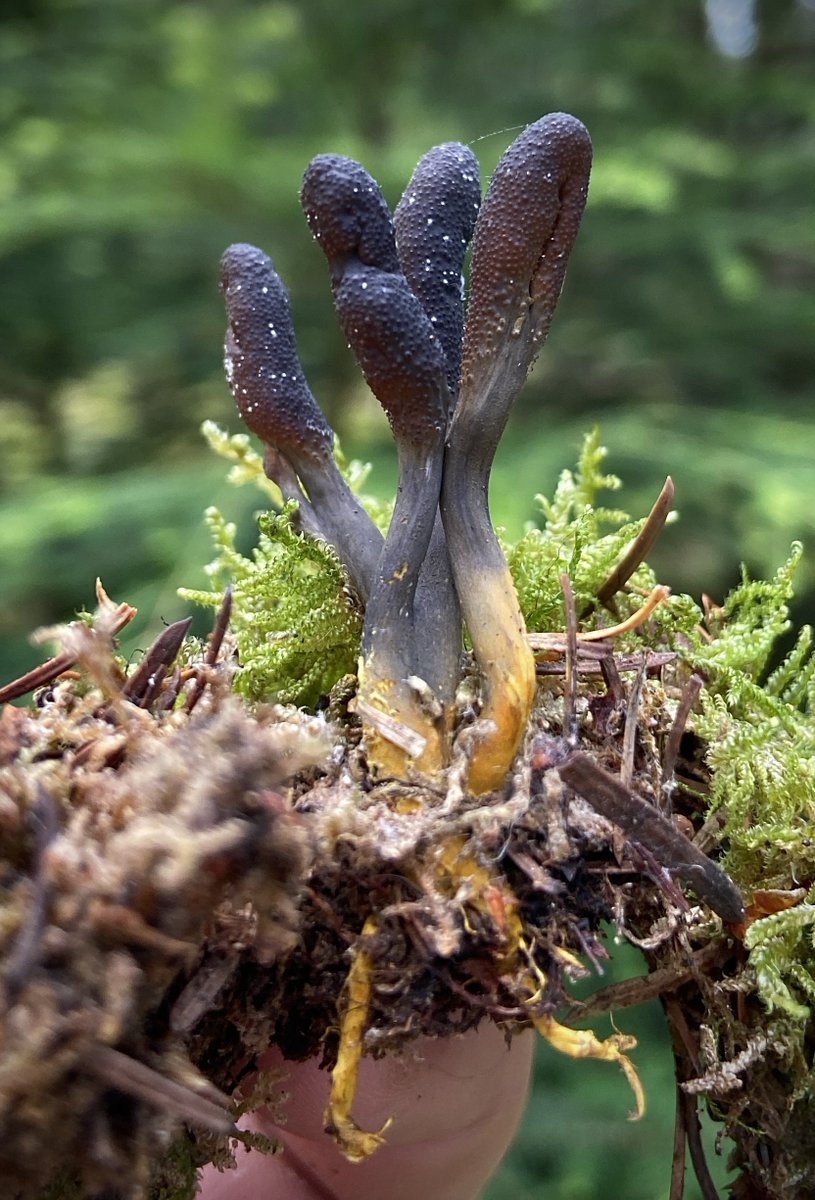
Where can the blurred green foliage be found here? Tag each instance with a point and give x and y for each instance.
(140, 137)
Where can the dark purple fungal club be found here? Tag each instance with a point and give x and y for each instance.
(405, 366)
(386, 326)
(434, 223)
(398, 293)
(523, 236)
(348, 214)
(263, 370)
(261, 361)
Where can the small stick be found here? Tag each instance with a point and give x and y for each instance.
(686, 1054)
(683, 1044)
(161, 655)
(48, 671)
(693, 1131)
(216, 639)
(643, 988)
(391, 729)
(570, 685)
(631, 719)
(642, 822)
(611, 676)
(589, 662)
(690, 695)
(680, 1143)
(555, 643)
(641, 547)
(136, 1079)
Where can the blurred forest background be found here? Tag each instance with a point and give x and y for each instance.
(140, 137)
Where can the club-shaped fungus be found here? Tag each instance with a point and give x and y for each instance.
(263, 370)
(459, 864)
(434, 224)
(404, 365)
(398, 293)
(523, 236)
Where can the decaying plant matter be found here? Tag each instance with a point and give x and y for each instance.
(192, 871)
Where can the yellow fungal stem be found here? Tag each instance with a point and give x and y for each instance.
(355, 1143)
(582, 1043)
(457, 872)
(508, 682)
(656, 597)
(401, 735)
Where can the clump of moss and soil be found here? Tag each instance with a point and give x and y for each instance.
(190, 876)
(340, 824)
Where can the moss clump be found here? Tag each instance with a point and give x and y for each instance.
(296, 623)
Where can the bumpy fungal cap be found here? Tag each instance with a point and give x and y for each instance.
(434, 223)
(261, 361)
(401, 359)
(274, 399)
(386, 326)
(523, 236)
(347, 213)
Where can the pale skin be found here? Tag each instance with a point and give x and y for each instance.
(455, 1102)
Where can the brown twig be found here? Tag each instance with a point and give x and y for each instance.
(48, 671)
(686, 1058)
(690, 695)
(136, 1079)
(684, 1046)
(641, 547)
(603, 664)
(693, 1132)
(611, 677)
(643, 988)
(216, 639)
(570, 685)
(45, 673)
(679, 1147)
(642, 822)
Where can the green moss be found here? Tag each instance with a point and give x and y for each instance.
(760, 735)
(586, 540)
(295, 622)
